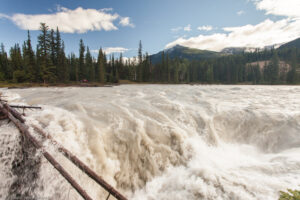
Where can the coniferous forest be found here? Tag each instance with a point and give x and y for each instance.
(49, 64)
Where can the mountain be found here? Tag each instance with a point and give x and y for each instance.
(291, 44)
(234, 50)
(182, 52)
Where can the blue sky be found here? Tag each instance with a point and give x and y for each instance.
(118, 25)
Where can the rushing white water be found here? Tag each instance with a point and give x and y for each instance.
(170, 141)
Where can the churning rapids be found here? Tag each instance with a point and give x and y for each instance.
(165, 141)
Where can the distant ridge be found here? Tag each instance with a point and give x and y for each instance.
(190, 54)
(291, 44)
(182, 52)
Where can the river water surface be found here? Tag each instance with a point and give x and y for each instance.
(166, 141)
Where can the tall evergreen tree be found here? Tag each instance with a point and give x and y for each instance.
(4, 66)
(292, 76)
(274, 68)
(101, 66)
(89, 65)
(44, 48)
(29, 61)
(140, 63)
(82, 70)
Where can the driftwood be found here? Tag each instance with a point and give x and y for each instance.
(15, 113)
(82, 166)
(24, 107)
(24, 130)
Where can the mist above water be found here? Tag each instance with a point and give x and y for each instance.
(170, 141)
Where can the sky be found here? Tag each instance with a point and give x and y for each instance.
(118, 25)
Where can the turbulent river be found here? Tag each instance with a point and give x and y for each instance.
(165, 141)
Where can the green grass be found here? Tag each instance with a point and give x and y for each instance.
(290, 195)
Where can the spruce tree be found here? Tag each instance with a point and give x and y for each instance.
(101, 66)
(140, 63)
(44, 48)
(89, 65)
(274, 68)
(82, 69)
(4, 67)
(29, 61)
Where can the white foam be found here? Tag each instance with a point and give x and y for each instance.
(175, 141)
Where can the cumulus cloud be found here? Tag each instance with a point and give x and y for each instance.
(241, 12)
(289, 8)
(205, 28)
(125, 21)
(187, 28)
(263, 34)
(79, 20)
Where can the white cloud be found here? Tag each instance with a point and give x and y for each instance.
(187, 28)
(106, 9)
(4, 16)
(263, 34)
(110, 50)
(205, 28)
(241, 12)
(176, 29)
(289, 8)
(78, 20)
(132, 60)
(125, 21)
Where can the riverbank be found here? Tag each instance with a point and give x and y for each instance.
(121, 82)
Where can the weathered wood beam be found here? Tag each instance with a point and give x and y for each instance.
(25, 107)
(15, 113)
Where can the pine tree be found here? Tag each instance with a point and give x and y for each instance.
(140, 63)
(168, 69)
(63, 64)
(60, 58)
(101, 66)
(53, 53)
(292, 74)
(89, 65)
(4, 67)
(82, 69)
(44, 48)
(274, 68)
(29, 61)
(73, 68)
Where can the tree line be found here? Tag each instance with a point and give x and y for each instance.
(49, 64)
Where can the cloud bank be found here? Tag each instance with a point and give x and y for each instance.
(260, 35)
(79, 20)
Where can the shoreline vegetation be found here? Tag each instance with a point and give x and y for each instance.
(48, 65)
(26, 85)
